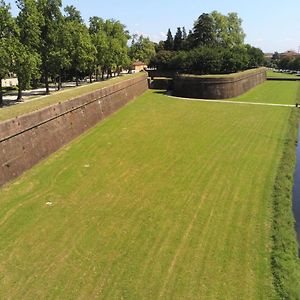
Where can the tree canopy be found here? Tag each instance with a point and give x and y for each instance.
(48, 42)
(142, 49)
(214, 45)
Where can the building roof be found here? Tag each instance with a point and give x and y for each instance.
(139, 63)
(290, 53)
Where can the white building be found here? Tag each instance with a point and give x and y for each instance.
(10, 82)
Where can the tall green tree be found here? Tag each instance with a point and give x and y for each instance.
(204, 33)
(8, 33)
(27, 59)
(141, 49)
(220, 24)
(178, 40)
(169, 43)
(101, 43)
(110, 38)
(235, 29)
(52, 21)
(184, 34)
(73, 14)
(80, 47)
(118, 38)
(256, 57)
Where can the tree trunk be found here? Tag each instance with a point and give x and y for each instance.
(91, 77)
(1, 93)
(34, 83)
(20, 94)
(47, 84)
(97, 74)
(77, 80)
(59, 83)
(102, 71)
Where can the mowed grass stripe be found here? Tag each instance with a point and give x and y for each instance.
(213, 168)
(165, 198)
(225, 225)
(272, 92)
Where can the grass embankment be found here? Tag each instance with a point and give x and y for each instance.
(165, 199)
(230, 75)
(272, 92)
(55, 97)
(272, 74)
(285, 262)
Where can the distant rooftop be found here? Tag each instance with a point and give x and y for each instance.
(139, 63)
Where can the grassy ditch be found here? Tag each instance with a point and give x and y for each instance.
(284, 256)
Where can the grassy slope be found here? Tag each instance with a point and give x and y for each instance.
(167, 198)
(285, 261)
(271, 74)
(40, 102)
(272, 92)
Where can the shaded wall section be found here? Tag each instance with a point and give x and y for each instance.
(27, 139)
(214, 87)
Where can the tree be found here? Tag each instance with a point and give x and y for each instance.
(118, 37)
(184, 34)
(296, 64)
(72, 14)
(81, 50)
(141, 49)
(169, 43)
(220, 28)
(162, 60)
(27, 58)
(284, 62)
(159, 46)
(204, 34)
(52, 21)
(110, 38)
(235, 31)
(256, 57)
(26, 66)
(100, 42)
(178, 40)
(8, 33)
(276, 56)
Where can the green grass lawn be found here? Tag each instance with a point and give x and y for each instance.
(271, 74)
(272, 92)
(166, 199)
(61, 96)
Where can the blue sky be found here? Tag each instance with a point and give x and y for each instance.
(268, 24)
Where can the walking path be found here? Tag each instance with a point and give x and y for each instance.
(234, 102)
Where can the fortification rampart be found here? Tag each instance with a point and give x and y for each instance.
(27, 139)
(218, 87)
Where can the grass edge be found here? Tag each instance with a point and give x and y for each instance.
(285, 263)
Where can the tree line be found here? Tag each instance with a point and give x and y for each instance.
(214, 45)
(285, 62)
(46, 42)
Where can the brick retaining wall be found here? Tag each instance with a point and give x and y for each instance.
(217, 87)
(27, 139)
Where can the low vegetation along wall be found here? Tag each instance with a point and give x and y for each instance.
(26, 140)
(218, 86)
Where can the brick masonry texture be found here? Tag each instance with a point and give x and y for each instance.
(26, 140)
(217, 87)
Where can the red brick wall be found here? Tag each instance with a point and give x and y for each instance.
(217, 87)
(25, 140)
